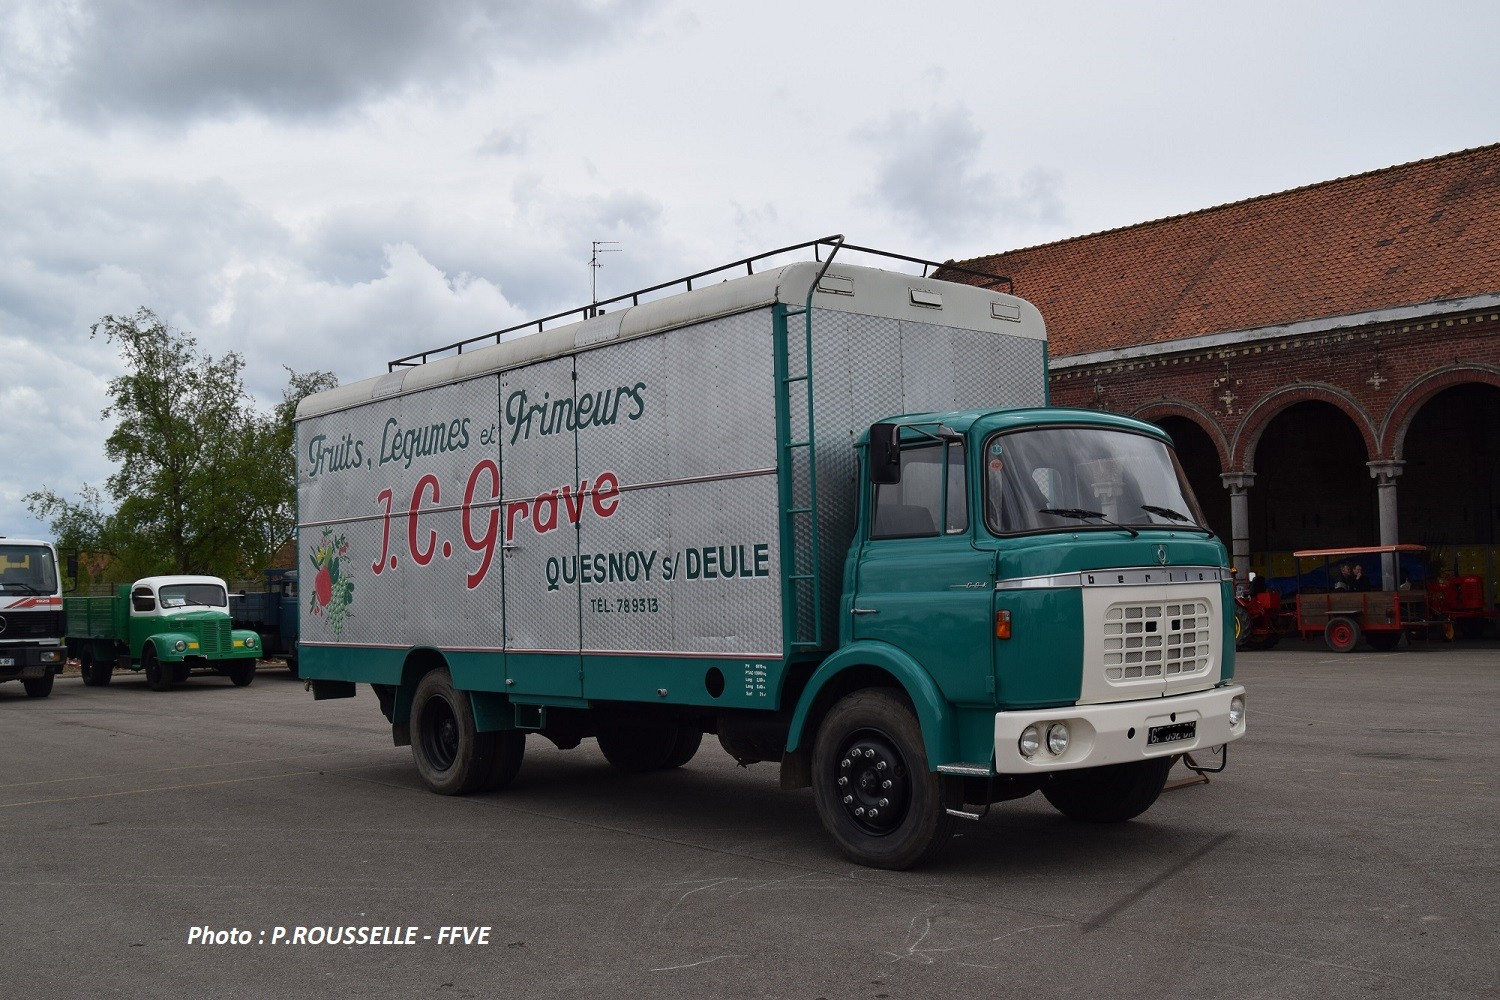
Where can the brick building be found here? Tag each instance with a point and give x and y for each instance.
(1326, 358)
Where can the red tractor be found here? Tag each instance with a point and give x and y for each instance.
(1460, 599)
(1260, 620)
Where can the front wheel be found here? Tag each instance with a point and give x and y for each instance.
(1110, 794)
(875, 794)
(158, 676)
(452, 756)
(242, 673)
(38, 687)
(1342, 635)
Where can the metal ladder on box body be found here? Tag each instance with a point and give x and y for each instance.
(797, 462)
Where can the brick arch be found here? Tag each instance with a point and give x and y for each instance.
(1158, 408)
(1409, 401)
(1255, 421)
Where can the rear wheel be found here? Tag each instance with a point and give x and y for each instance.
(689, 738)
(1111, 794)
(875, 794)
(96, 673)
(1342, 635)
(38, 687)
(510, 748)
(634, 749)
(1469, 628)
(452, 756)
(242, 673)
(1241, 628)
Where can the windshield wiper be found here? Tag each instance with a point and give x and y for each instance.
(24, 588)
(1172, 515)
(1086, 515)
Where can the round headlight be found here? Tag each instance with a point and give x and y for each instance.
(1236, 711)
(1031, 741)
(179, 645)
(250, 642)
(1057, 738)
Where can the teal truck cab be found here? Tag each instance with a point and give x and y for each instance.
(820, 512)
(166, 626)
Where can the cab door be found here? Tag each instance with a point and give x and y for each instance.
(920, 584)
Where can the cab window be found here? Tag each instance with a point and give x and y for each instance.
(930, 496)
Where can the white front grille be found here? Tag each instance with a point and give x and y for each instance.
(1156, 640)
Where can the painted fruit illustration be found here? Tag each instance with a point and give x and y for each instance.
(331, 589)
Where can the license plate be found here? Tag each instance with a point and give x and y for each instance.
(1171, 734)
(7, 661)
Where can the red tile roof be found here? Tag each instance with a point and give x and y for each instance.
(1410, 234)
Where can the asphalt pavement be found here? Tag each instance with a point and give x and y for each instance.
(178, 843)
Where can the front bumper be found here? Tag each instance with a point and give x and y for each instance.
(1118, 733)
(31, 662)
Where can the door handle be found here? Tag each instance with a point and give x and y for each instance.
(865, 611)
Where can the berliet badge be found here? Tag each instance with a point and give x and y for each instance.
(1161, 554)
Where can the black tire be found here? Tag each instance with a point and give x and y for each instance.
(291, 666)
(158, 676)
(875, 794)
(510, 748)
(1342, 635)
(689, 738)
(1111, 794)
(452, 757)
(38, 687)
(635, 749)
(180, 672)
(96, 673)
(1241, 628)
(1383, 641)
(1469, 628)
(242, 673)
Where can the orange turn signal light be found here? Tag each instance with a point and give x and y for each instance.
(1002, 624)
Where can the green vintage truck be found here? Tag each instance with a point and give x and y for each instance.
(167, 626)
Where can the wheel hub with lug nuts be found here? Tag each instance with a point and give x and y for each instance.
(873, 783)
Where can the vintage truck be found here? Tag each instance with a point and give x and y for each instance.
(31, 615)
(166, 626)
(820, 511)
(272, 613)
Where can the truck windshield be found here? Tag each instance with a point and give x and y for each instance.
(201, 595)
(1066, 478)
(27, 569)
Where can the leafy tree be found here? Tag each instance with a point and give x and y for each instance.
(205, 483)
(271, 514)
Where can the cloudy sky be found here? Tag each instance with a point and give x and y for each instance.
(329, 184)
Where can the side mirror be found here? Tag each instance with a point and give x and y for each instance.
(885, 454)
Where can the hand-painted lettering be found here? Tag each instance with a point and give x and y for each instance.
(525, 415)
(323, 457)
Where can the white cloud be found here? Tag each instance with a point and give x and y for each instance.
(929, 171)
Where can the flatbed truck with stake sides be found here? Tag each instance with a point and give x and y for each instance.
(31, 615)
(166, 626)
(820, 511)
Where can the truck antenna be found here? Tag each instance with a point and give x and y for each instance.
(600, 246)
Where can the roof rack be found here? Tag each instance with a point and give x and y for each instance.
(833, 243)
